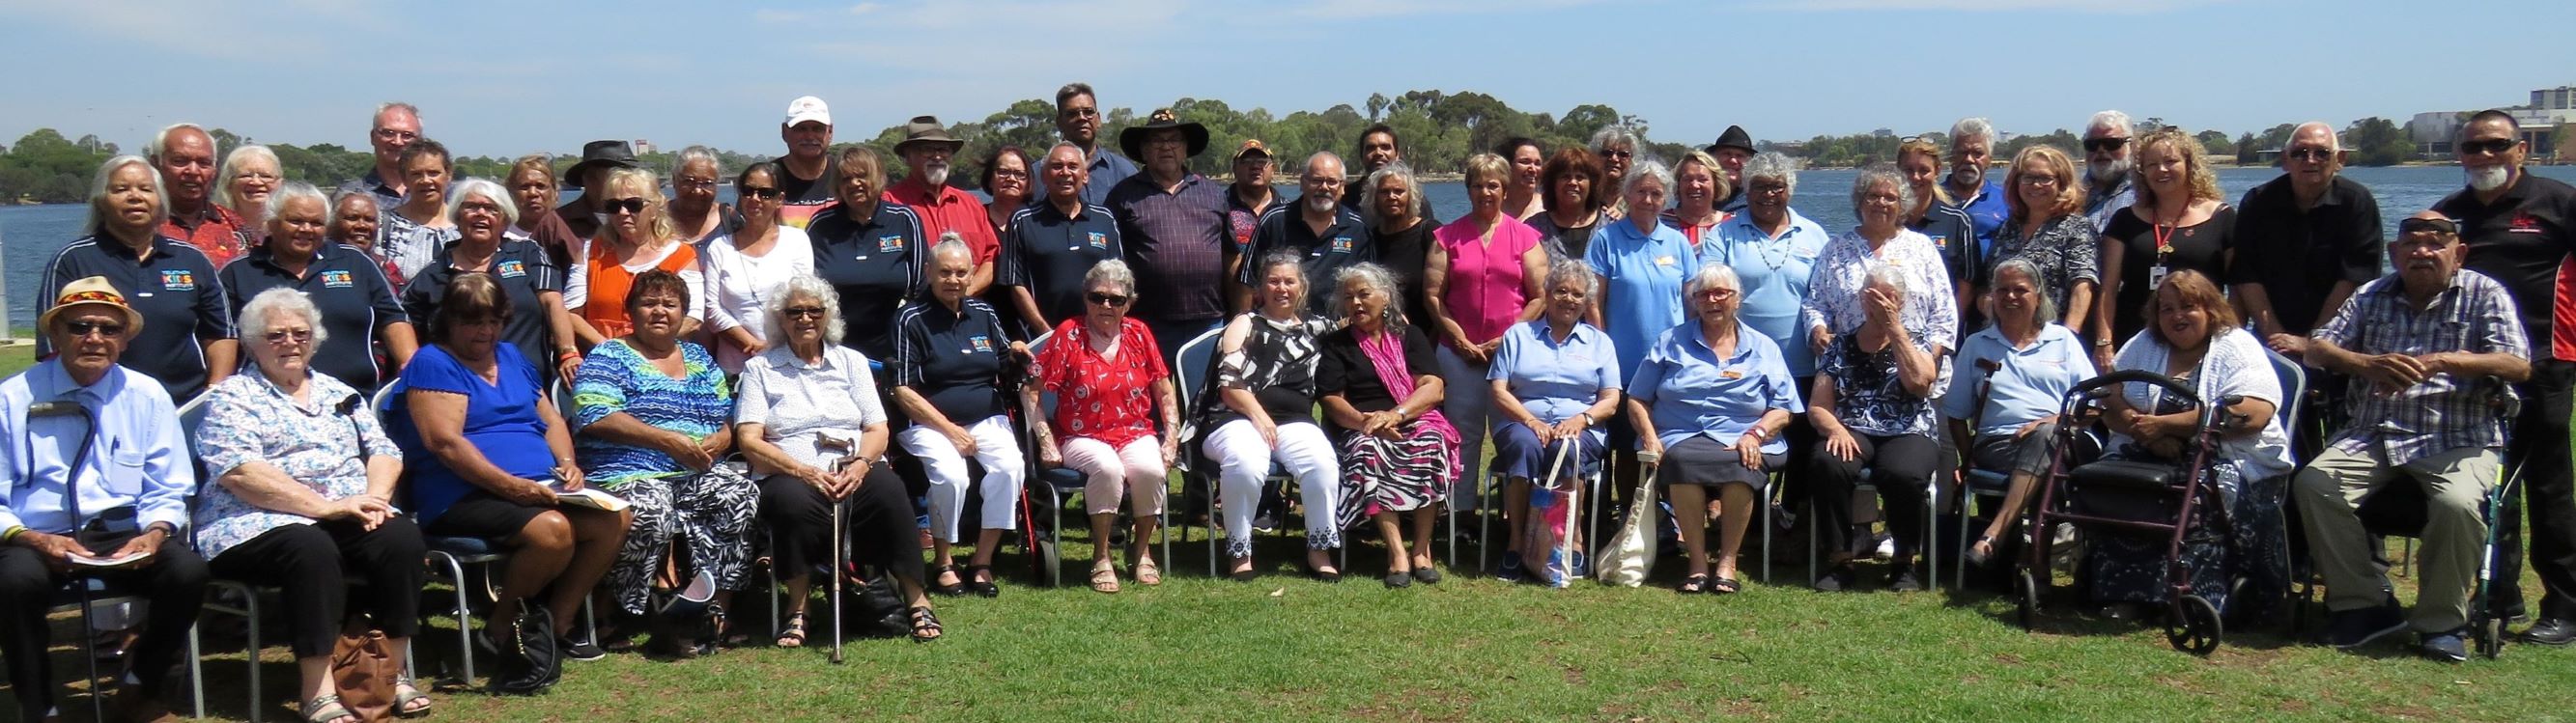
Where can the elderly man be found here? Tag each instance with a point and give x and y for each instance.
(1050, 246)
(811, 170)
(583, 214)
(99, 481)
(1328, 235)
(396, 124)
(2519, 227)
(1247, 199)
(1077, 118)
(1731, 150)
(1972, 189)
(2304, 240)
(2429, 350)
(1173, 225)
(185, 156)
(2106, 167)
(926, 149)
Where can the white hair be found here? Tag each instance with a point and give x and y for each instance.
(1711, 274)
(951, 243)
(232, 164)
(1374, 277)
(489, 191)
(295, 191)
(406, 108)
(1890, 276)
(694, 154)
(2110, 119)
(256, 314)
(1773, 165)
(1615, 135)
(1369, 185)
(1643, 169)
(2334, 141)
(1565, 269)
(804, 285)
(1110, 271)
(1971, 127)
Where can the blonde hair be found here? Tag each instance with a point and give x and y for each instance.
(2070, 187)
(656, 216)
(2201, 181)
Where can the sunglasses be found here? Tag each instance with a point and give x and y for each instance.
(2310, 153)
(629, 205)
(2097, 145)
(765, 194)
(2491, 146)
(804, 312)
(299, 335)
(2428, 225)
(103, 328)
(1107, 299)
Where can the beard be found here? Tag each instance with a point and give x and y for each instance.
(935, 174)
(1321, 203)
(2103, 173)
(2488, 179)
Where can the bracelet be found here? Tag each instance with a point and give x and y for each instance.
(567, 353)
(11, 535)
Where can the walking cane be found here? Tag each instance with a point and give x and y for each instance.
(837, 574)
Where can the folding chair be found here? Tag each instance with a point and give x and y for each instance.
(1064, 484)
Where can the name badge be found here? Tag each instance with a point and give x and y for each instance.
(178, 280)
(1343, 244)
(1666, 261)
(2156, 277)
(1730, 375)
(337, 280)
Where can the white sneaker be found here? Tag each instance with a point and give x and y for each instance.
(1886, 549)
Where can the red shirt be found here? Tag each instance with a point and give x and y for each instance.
(948, 209)
(218, 233)
(1108, 400)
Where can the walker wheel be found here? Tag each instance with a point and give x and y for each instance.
(2026, 594)
(2194, 626)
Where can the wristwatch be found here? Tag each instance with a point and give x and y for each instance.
(1586, 416)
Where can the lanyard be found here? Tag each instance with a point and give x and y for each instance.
(2164, 242)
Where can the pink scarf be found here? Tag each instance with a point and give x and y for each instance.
(1386, 354)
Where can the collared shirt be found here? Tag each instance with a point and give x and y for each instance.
(345, 284)
(952, 358)
(526, 274)
(802, 199)
(2298, 255)
(1176, 242)
(739, 286)
(1645, 272)
(797, 404)
(1986, 212)
(1950, 230)
(217, 232)
(2066, 250)
(1108, 169)
(320, 444)
(947, 209)
(1484, 291)
(1775, 272)
(1834, 302)
(179, 294)
(1244, 220)
(1048, 253)
(410, 246)
(2522, 241)
(1555, 380)
(1695, 232)
(137, 454)
(2028, 384)
(1341, 243)
(372, 183)
(2102, 205)
(551, 234)
(2474, 314)
(1689, 391)
(875, 264)
(1111, 400)
(617, 379)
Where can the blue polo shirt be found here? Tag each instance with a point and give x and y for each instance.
(1345, 242)
(1048, 253)
(526, 273)
(2028, 383)
(174, 287)
(1554, 381)
(952, 359)
(351, 290)
(875, 264)
(1689, 391)
(1775, 272)
(1645, 272)
(1986, 212)
(1107, 169)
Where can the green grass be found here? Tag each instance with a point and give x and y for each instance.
(14, 359)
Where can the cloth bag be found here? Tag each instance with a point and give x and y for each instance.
(1551, 531)
(1631, 551)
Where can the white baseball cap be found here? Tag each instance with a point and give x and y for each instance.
(808, 108)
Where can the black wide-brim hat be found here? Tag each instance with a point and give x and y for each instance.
(1133, 138)
(614, 154)
(1734, 137)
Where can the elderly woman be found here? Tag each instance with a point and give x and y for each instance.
(1481, 277)
(695, 213)
(1617, 146)
(1643, 265)
(415, 230)
(2179, 222)
(1554, 381)
(1264, 410)
(638, 237)
(2198, 340)
(1401, 231)
(1872, 407)
(304, 495)
(1709, 399)
(869, 249)
(745, 266)
(1934, 215)
(2045, 224)
(250, 174)
(353, 224)
(1111, 389)
(1010, 177)
(949, 369)
(1835, 302)
(1773, 250)
(813, 426)
(1699, 184)
(2009, 383)
(537, 325)
(488, 455)
(1522, 198)
(357, 302)
(1574, 195)
(186, 339)
(655, 417)
(531, 182)
(1399, 453)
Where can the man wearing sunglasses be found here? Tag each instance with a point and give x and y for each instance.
(2306, 240)
(2106, 167)
(2519, 228)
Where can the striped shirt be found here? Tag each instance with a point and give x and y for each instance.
(2444, 412)
(1176, 241)
(616, 378)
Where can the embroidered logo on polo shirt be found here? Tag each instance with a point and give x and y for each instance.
(1941, 241)
(983, 344)
(889, 244)
(511, 269)
(2523, 222)
(1730, 375)
(1099, 240)
(338, 280)
(178, 280)
(1343, 244)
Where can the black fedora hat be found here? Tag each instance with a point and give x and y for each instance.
(614, 154)
(1133, 138)
(1734, 137)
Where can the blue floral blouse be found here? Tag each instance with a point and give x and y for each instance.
(250, 420)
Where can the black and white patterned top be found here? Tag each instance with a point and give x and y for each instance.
(2066, 251)
(1277, 363)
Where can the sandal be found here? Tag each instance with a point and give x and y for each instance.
(406, 693)
(794, 635)
(1146, 573)
(925, 625)
(326, 709)
(986, 587)
(1695, 584)
(1725, 586)
(1104, 577)
(954, 589)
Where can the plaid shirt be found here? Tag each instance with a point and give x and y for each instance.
(2475, 314)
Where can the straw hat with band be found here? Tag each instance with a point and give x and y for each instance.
(92, 291)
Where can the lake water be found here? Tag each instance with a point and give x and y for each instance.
(29, 235)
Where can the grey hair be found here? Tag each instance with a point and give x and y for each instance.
(1772, 165)
(1890, 276)
(1310, 161)
(1110, 271)
(2334, 141)
(1615, 134)
(489, 191)
(1971, 127)
(1296, 263)
(161, 140)
(1369, 184)
(233, 160)
(2047, 306)
(696, 153)
(1371, 275)
(98, 191)
(805, 284)
(296, 191)
(1878, 173)
(1561, 269)
(2110, 119)
(1710, 274)
(1643, 169)
(951, 243)
(256, 314)
(408, 108)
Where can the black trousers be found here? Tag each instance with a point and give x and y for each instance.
(878, 518)
(1900, 466)
(2539, 448)
(175, 583)
(313, 564)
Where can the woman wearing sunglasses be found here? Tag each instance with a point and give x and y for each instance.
(746, 266)
(638, 237)
(1111, 389)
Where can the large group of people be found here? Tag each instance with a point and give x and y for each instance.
(832, 351)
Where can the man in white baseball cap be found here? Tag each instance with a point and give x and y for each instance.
(807, 183)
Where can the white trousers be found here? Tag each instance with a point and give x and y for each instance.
(1243, 461)
(1134, 471)
(1004, 471)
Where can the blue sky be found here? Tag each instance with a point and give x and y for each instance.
(499, 78)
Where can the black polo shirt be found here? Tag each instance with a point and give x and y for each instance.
(1345, 242)
(178, 292)
(1955, 235)
(526, 273)
(2521, 240)
(2298, 256)
(1048, 253)
(351, 290)
(952, 358)
(876, 265)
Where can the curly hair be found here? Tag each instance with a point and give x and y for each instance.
(2202, 181)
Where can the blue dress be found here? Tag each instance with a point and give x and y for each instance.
(501, 421)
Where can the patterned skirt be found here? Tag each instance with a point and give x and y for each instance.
(1396, 475)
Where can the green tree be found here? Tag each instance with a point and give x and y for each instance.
(2248, 150)
(2377, 141)
(2216, 144)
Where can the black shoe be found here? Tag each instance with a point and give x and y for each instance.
(1399, 579)
(578, 646)
(2349, 629)
(1837, 580)
(2448, 647)
(1426, 575)
(1265, 523)
(2550, 631)
(1904, 580)
(1511, 570)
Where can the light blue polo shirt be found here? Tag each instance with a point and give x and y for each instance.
(2028, 383)
(1775, 273)
(1689, 391)
(1645, 271)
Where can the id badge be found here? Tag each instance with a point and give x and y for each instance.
(2155, 277)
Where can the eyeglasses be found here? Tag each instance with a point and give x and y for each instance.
(1080, 112)
(2310, 153)
(479, 207)
(2039, 179)
(1101, 299)
(103, 328)
(629, 205)
(694, 183)
(1768, 189)
(2491, 146)
(765, 194)
(803, 312)
(281, 335)
(395, 135)
(2097, 145)
(1717, 293)
(2428, 225)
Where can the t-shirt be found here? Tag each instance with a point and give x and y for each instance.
(502, 423)
(801, 199)
(526, 274)
(2522, 240)
(739, 286)
(875, 264)
(1048, 253)
(2198, 247)
(174, 287)
(616, 378)
(2299, 255)
(953, 358)
(350, 290)
(1347, 370)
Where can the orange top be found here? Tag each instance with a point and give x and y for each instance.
(604, 304)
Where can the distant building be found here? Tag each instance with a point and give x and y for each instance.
(643, 147)
(1883, 133)
(2432, 131)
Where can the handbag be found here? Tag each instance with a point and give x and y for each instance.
(873, 608)
(1625, 560)
(1549, 533)
(530, 662)
(365, 670)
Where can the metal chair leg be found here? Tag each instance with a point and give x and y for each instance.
(196, 672)
(250, 651)
(89, 651)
